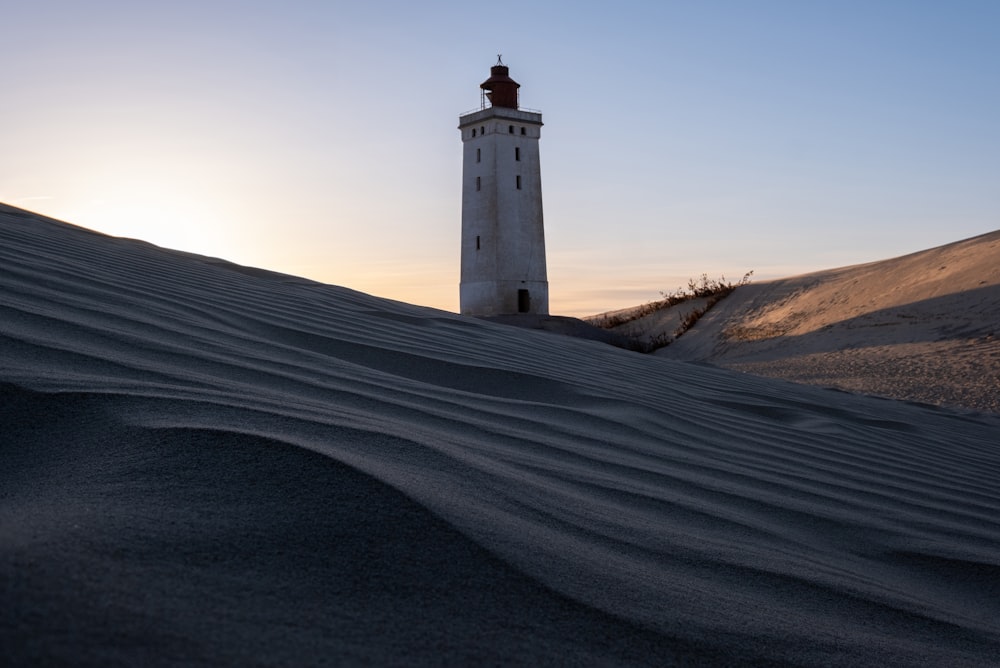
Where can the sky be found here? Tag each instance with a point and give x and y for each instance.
(681, 137)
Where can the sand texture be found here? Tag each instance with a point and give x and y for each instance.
(208, 464)
(924, 327)
(659, 327)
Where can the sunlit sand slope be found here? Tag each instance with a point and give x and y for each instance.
(205, 463)
(924, 327)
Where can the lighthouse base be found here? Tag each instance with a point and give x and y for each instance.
(504, 297)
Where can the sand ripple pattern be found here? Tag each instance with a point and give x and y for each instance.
(207, 463)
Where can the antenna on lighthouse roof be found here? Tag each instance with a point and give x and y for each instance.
(499, 61)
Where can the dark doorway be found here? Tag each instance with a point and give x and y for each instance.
(523, 301)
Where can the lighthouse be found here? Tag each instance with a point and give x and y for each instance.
(503, 238)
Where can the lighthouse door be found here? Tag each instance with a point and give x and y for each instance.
(523, 301)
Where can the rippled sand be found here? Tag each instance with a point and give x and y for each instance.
(211, 464)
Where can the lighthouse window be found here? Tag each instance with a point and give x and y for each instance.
(523, 131)
(482, 130)
(517, 152)
(479, 153)
(478, 183)
(477, 243)
(473, 132)
(510, 129)
(518, 181)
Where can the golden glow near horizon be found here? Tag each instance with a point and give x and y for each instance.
(578, 290)
(320, 140)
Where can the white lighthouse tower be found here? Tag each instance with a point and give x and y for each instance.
(503, 239)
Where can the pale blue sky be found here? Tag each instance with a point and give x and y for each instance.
(319, 138)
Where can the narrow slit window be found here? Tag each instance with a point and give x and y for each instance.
(477, 242)
(479, 153)
(510, 129)
(479, 182)
(473, 132)
(517, 152)
(518, 181)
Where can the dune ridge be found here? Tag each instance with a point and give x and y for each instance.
(212, 463)
(922, 327)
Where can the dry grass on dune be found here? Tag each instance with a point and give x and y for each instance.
(657, 324)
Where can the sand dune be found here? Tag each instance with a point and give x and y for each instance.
(211, 464)
(924, 327)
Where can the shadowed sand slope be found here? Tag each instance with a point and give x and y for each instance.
(924, 327)
(207, 464)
